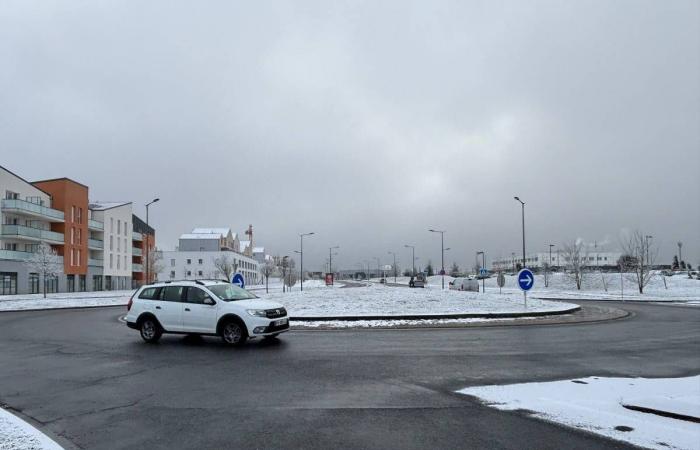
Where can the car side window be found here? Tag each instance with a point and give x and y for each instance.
(149, 293)
(196, 295)
(171, 293)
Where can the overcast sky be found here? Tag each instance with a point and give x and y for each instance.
(367, 122)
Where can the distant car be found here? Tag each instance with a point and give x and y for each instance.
(464, 284)
(204, 307)
(418, 281)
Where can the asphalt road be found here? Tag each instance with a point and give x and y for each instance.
(87, 379)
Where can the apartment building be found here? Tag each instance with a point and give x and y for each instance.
(557, 259)
(116, 255)
(143, 248)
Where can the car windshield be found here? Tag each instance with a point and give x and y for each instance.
(230, 292)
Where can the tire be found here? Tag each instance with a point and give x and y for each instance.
(150, 330)
(234, 333)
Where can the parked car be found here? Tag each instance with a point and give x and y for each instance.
(204, 307)
(419, 281)
(464, 284)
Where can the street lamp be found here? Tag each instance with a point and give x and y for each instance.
(522, 203)
(483, 266)
(442, 253)
(394, 254)
(330, 258)
(413, 256)
(301, 262)
(148, 240)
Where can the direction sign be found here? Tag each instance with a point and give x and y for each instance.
(238, 280)
(526, 280)
(501, 280)
(483, 272)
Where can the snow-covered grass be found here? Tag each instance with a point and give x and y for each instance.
(595, 404)
(16, 434)
(396, 322)
(23, 302)
(380, 300)
(677, 288)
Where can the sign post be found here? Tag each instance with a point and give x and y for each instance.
(526, 280)
(238, 280)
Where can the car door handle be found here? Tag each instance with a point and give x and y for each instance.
(187, 309)
(157, 307)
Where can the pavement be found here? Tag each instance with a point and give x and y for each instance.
(90, 382)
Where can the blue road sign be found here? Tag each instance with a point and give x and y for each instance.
(483, 272)
(526, 280)
(238, 280)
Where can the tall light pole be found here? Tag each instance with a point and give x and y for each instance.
(680, 254)
(522, 203)
(301, 262)
(330, 258)
(483, 266)
(148, 240)
(394, 254)
(413, 257)
(442, 253)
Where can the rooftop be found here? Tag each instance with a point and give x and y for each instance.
(200, 236)
(101, 206)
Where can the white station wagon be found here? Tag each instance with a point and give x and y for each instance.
(204, 307)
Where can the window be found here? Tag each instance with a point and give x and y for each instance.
(70, 283)
(111, 224)
(118, 262)
(199, 273)
(83, 283)
(34, 283)
(200, 262)
(97, 282)
(172, 263)
(77, 261)
(172, 274)
(80, 236)
(111, 261)
(72, 235)
(72, 257)
(111, 242)
(189, 261)
(196, 295)
(80, 215)
(72, 213)
(150, 293)
(119, 244)
(189, 273)
(119, 226)
(171, 293)
(125, 247)
(126, 227)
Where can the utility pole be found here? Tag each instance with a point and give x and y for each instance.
(301, 257)
(330, 258)
(442, 254)
(522, 203)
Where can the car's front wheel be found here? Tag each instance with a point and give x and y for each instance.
(234, 333)
(150, 330)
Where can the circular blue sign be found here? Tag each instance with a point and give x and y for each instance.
(238, 280)
(526, 279)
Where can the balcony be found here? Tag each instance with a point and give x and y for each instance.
(96, 263)
(32, 234)
(96, 225)
(137, 268)
(135, 251)
(26, 208)
(19, 256)
(137, 236)
(95, 244)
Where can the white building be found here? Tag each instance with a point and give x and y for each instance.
(117, 240)
(602, 260)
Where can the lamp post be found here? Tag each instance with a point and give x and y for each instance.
(522, 203)
(301, 257)
(330, 258)
(369, 271)
(680, 254)
(483, 266)
(394, 255)
(148, 240)
(413, 257)
(442, 253)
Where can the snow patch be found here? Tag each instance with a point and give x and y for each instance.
(16, 434)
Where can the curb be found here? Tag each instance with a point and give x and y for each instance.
(662, 413)
(438, 316)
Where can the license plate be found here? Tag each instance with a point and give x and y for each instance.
(280, 322)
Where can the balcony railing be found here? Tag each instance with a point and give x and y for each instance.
(96, 263)
(95, 243)
(137, 236)
(96, 225)
(34, 234)
(137, 268)
(25, 207)
(135, 251)
(19, 256)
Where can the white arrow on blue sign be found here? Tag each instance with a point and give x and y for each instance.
(238, 280)
(526, 280)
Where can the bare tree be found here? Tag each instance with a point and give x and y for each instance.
(268, 269)
(155, 264)
(639, 258)
(226, 266)
(575, 257)
(46, 262)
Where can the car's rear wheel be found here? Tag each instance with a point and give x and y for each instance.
(150, 330)
(234, 333)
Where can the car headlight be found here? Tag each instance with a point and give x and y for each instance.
(257, 312)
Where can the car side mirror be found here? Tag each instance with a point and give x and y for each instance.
(209, 301)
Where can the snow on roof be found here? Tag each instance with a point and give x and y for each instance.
(258, 249)
(224, 231)
(101, 206)
(200, 236)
